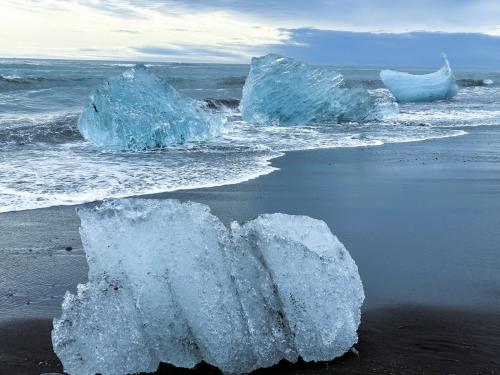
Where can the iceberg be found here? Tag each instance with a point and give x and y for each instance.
(169, 282)
(283, 91)
(138, 110)
(408, 87)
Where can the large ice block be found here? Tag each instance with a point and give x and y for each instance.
(168, 282)
(139, 110)
(408, 87)
(283, 91)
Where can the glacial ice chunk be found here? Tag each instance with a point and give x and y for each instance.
(408, 87)
(168, 282)
(139, 110)
(283, 91)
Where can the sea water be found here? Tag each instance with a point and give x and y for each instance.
(44, 161)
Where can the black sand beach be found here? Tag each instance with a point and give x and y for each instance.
(421, 220)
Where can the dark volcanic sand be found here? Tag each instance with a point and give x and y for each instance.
(422, 221)
(402, 340)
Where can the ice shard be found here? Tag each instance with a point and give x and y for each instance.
(408, 87)
(283, 91)
(138, 110)
(169, 282)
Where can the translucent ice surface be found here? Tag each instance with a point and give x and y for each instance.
(139, 110)
(408, 87)
(168, 282)
(283, 91)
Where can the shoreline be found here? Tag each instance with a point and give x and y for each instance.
(264, 162)
(433, 204)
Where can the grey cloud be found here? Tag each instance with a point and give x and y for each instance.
(416, 49)
(126, 31)
(121, 9)
(355, 15)
(182, 51)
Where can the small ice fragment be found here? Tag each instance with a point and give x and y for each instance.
(408, 87)
(283, 91)
(138, 110)
(168, 282)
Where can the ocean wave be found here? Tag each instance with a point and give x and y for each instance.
(205, 83)
(61, 129)
(10, 77)
(453, 118)
(76, 173)
(232, 81)
(221, 104)
(72, 173)
(366, 83)
(14, 82)
(377, 83)
(45, 162)
(50, 164)
(310, 137)
(475, 82)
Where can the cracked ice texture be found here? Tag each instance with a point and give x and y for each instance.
(283, 91)
(168, 282)
(408, 87)
(138, 110)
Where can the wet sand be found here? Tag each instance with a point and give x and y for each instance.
(422, 221)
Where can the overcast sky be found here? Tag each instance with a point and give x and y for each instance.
(341, 32)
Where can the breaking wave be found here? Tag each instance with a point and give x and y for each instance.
(475, 82)
(58, 130)
(45, 162)
(14, 82)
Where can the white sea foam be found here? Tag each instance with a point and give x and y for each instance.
(10, 76)
(44, 161)
(38, 175)
(71, 171)
(75, 173)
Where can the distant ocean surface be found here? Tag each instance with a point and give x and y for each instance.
(45, 162)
